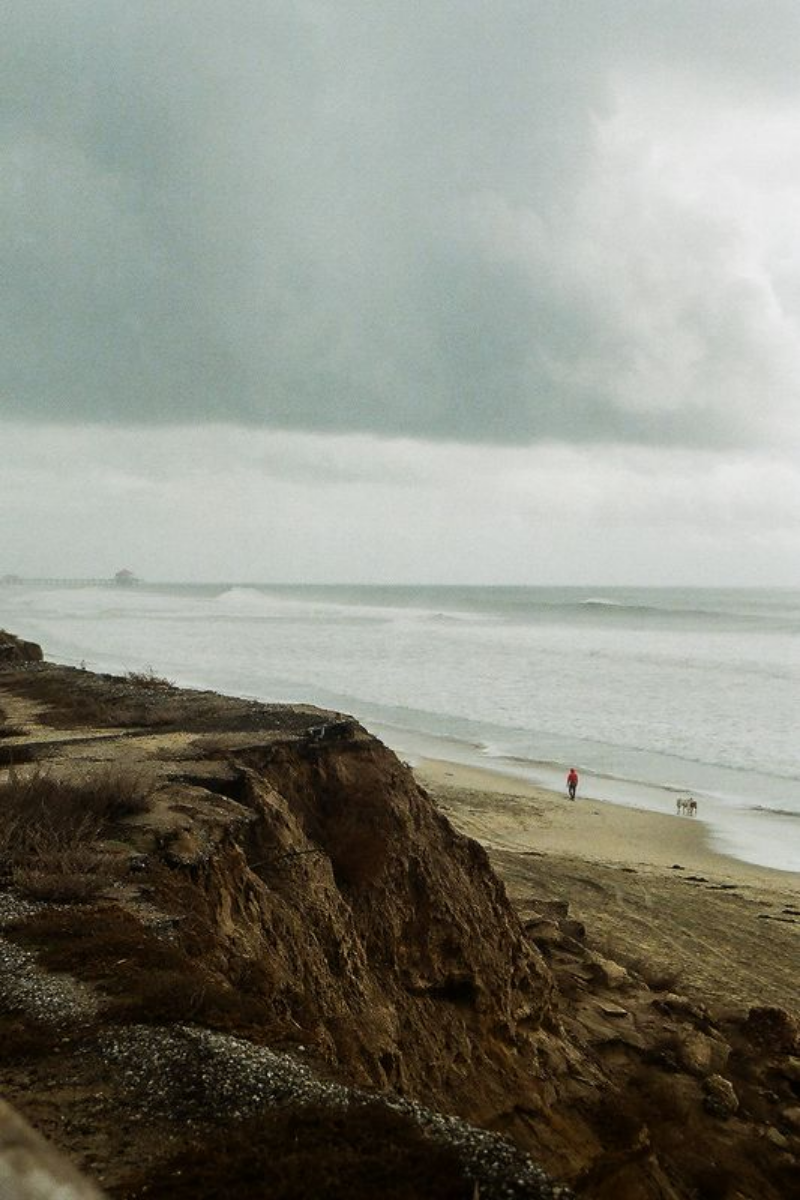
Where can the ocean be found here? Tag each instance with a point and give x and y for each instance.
(650, 693)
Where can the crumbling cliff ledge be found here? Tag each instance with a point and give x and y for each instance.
(212, 908)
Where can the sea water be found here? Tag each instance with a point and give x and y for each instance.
(650, 693)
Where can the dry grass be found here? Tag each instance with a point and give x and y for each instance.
(146, 976)
(50, 829)
(75, 698)
(7, 730)
(39, 809)
(148, 679)
(78, 877)
(16, 754)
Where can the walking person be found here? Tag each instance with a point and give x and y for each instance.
(572, 783)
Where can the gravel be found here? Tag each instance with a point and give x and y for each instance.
(27, 987)
(184, 1073)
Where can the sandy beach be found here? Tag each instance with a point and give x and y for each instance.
(649, 887)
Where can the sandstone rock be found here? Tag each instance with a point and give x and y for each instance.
(543, 931)
(573, 929)
(773, 1030)
(721, 1099)
(701, 1055)
(672, 1003)
(791, 1117)
(402, 936)
(607, 973)
(776, 1138)
(676, 1002)
(613, 1010)
(791, 1069)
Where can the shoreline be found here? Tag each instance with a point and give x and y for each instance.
(754, 831)
(651, 892)
(756, 834)
(526, 818)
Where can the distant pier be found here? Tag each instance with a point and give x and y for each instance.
(18, 581)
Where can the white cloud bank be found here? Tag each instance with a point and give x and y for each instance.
(221, 503)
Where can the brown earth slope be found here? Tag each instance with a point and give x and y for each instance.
(220, 913)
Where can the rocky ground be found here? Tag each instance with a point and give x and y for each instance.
(243, 953)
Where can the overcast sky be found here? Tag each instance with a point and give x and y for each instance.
(365, 290)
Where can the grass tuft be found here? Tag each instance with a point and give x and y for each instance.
(148, 679)
(50, 829)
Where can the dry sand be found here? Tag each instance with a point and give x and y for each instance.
(648, 886)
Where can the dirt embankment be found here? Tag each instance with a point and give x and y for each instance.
(215, 911)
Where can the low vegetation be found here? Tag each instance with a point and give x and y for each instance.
(148, 679)
(6, 728)
(357, 1153)
(51, 830)
(80, 699)
(145, 973)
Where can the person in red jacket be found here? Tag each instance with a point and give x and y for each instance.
(572, 783)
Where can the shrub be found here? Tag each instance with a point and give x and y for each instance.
(49, 830)
(73, 698)
(116, 792)
(39, 809)
(71, 878)
(148, 679)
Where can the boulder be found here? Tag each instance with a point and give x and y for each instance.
(791, 1117)
(607, 973)
(613, 1010)
(791, 1069)
(701, 1055)
(720, 1098)
(773, 1030)
(543, 931)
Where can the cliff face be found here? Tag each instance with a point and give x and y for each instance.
(378, 930)
(266, 872)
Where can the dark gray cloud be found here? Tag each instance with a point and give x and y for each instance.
(377, 216)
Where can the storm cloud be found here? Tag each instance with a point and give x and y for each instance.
(470, 222)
